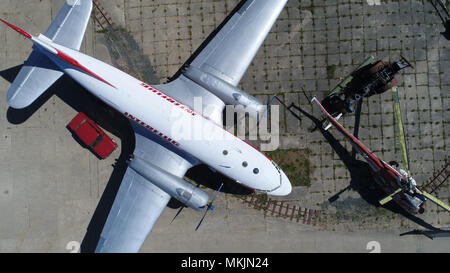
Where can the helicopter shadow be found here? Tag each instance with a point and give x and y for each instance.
(361, 177)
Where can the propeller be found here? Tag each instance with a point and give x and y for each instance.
(180, 210)
(209, 207)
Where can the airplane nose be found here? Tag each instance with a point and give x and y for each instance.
(284, 189)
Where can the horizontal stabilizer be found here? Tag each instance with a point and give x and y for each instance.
(36, 76)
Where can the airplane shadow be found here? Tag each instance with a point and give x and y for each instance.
(203, 175)
(361, 179)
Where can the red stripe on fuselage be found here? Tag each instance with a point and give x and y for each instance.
(193, 113)
(75, 63)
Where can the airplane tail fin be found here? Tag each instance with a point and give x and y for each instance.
(39, 73)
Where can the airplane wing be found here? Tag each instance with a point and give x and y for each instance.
(233, 48)
(136, 209)
(139, 203)
(70, 24)
(229, 53)
(227, 56)
(375, 163)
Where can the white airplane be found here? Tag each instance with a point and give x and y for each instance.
(161, 157)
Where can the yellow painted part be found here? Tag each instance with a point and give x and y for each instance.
(390, 197)
(401, 132)
(436, 201)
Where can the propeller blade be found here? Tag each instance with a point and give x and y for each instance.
(203, 218)
(209, 207)
(401, 131)
(217, 193)
(436, 201)
(178, 213)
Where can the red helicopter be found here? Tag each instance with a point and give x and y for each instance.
(397, 183)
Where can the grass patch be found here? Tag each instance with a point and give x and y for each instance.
(295, 163)
(331, 70)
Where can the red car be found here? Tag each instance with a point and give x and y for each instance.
(92, 136)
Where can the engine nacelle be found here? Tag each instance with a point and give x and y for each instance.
(230, 94)
(176, 187)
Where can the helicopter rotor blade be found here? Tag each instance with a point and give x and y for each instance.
(401, 131)
(389, 198)
(435, 200)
